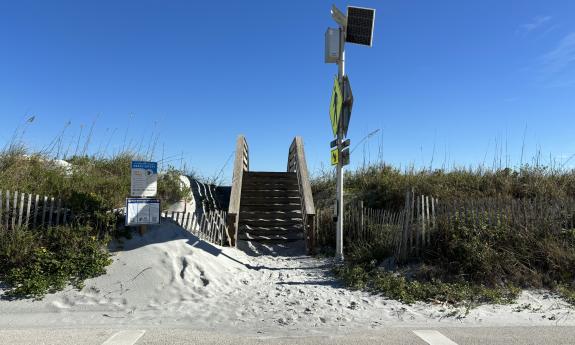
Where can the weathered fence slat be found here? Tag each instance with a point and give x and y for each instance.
(58, 211)
(51, 211)
(44, 204)
(7, 209)
(14, 208)
(21, 209)
(1, 210)
(28, 207)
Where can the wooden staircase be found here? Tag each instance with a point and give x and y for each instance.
(270, 208)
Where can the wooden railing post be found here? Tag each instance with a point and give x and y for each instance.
(298, 164)
(241, 165)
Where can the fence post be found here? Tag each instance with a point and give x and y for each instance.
(1, 213)
(210, 226)
(427, 221)
(44, 205)
(58, 210)
(433, 204)
(405, 236)
(7, 209)
(203, 226)
(361, 225)
(36, 203)
(28, 210)
(21, 209)
(51, 211)
(187, 222)
(14, 209)
(418, 226)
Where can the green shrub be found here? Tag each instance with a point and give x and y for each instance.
(170, 188)
(534, 255)
(567, 292)
(47, 260)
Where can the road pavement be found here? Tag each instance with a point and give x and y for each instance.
(396, 335)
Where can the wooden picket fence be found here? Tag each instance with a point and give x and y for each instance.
(19, 209)
(549, 215)
(407, 232)
(361, 224)
(419, 222)
(209, 226)
(412, 230)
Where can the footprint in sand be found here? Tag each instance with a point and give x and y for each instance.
(61, 305)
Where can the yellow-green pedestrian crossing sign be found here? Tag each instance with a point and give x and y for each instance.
(335, 106)
(334, 157)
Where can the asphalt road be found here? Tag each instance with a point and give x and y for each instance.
(406, 336)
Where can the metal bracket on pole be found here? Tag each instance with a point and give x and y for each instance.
(338, 16)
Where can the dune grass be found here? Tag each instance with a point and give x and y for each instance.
(34, 262)
(384, 186)
(91, 187)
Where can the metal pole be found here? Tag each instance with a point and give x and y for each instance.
(339, 187)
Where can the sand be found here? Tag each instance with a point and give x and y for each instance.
(170, 277)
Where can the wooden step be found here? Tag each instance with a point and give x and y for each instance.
(269, 184)
(270, 214)
(267, 200)
(271, 174)
(280, 176)
(269, 208)
(290, 228)
(271, 238)
(270, 223)
(269, 193)
(265, 190)
(270, 232)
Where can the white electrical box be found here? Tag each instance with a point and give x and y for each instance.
(332, 42)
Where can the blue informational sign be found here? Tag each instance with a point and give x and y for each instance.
(141, 211)
(144, 179)
(153, 166)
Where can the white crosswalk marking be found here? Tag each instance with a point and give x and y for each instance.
(125, 338)
(434, 337)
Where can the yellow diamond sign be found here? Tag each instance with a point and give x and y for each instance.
(335, 106)
(334, 156)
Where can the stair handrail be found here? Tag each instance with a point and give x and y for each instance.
(297, 164)
(241, 165)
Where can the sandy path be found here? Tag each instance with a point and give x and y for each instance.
(171, 278)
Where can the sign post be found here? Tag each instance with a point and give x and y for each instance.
(355, 27)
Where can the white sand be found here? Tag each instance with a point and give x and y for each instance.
(169, 277)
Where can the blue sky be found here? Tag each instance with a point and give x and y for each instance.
(454, 80)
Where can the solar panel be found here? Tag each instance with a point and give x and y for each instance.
(359, 25)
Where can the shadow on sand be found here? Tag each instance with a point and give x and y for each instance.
(171, 231)
(332, 283)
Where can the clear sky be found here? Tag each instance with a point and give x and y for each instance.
(449, 80)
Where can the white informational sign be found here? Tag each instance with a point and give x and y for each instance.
(142, 211)
(144, 179)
